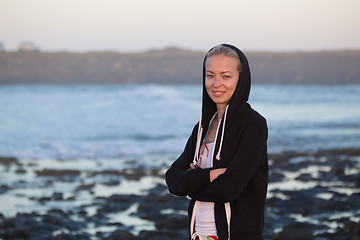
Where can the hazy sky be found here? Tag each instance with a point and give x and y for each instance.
(137, 25)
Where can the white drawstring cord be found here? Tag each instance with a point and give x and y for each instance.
(198, 142)
(228, 216)
(222, 134)
(193, 237)
(193, 217)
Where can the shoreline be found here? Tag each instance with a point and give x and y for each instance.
(313, 194)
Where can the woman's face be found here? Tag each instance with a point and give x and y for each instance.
(221, 78)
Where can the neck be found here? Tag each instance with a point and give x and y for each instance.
(220, 110)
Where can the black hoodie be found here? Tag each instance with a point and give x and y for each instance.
(240, 147)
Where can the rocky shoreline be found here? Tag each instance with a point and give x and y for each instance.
(312, 195)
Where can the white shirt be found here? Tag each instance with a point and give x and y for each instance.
(205, 218)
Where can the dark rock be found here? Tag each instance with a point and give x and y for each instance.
(129, 174)
(61, 220)
(295, 231)
(276, 177)
(8, 161)
(85, 187)
(20, 171)
(338, 169)
(111, 183)
(172, 221)
(117, 203)
(164, 235)
(62, 174)
(74, 236)
(158, 199)
(57, 196)
(304, 177)
(25, 226)
(4, 188)
(352, 228)
(121, 235)
(350, 231)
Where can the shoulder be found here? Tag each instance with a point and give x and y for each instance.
(254, 124)
(257, 118)
(251, 117)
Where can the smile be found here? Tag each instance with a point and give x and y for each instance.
(218, 93)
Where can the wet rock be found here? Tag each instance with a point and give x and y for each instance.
(25, 226)
(305, 198)
(352, 228)
(4, 188)
(304, 177)
(62, 220)
(20, 171)
(85, 187)
(65, 174)
(164, 235)
(117, 203)
(158, 199)
(338, 152)
(8, 161)
(276, 177)
(111, 183)
(121, 235)
(74, 236)
(295, 231)
(352, 178)
(56, 196)
(129, 174)
(172, 221)
(338, 169)
(350, 231)
(168, 213)
(281, 160)
(107, 172)
(327, 176)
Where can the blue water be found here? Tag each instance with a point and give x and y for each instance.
(102, 121)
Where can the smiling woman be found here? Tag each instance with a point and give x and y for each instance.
(222, 73)
(227, 146)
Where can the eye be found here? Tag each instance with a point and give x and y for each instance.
(226, 76)
(209, 76)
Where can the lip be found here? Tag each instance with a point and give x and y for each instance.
(218, 93)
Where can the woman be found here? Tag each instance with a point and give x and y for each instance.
(224, 168)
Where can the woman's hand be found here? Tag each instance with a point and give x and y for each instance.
(192, 166)
(214, 173)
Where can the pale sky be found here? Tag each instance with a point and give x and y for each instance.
(138, 25)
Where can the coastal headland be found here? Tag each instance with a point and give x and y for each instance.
(173, 65)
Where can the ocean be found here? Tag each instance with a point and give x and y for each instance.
(114, 121)
(90, 159)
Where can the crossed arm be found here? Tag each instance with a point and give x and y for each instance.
(217, 185)
(214, 173)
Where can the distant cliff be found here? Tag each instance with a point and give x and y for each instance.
(173, 65)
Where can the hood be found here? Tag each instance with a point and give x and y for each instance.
(239, 98)
(235, 113)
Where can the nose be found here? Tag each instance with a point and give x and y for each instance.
(217, 82)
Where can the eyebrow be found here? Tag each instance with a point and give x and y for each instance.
(220, 73)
